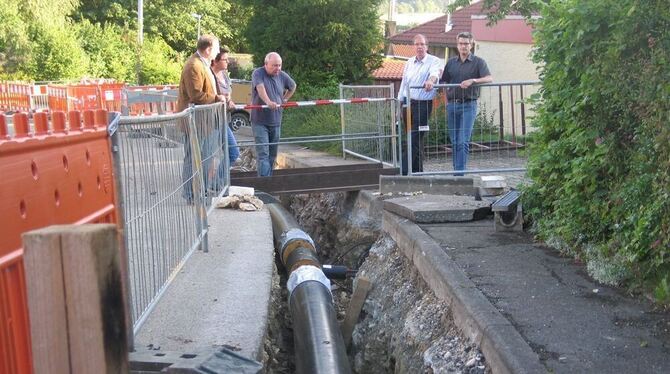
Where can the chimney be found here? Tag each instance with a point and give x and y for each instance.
(448, 25)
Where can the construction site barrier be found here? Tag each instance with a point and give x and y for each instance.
(168, 168)
(56, 174)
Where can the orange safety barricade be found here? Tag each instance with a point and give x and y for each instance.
(19, 96)
(4, 97)
(83, 97)
(57, 98)
(168, 105)
(51, 176)
(111, 96)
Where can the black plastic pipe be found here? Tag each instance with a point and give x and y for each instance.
(319, 346)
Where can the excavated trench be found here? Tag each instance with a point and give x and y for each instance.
(402, 328)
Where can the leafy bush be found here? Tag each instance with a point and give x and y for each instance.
(600, 161)
(56, 53)
(111, 50)
(317, 120)
(159, 63)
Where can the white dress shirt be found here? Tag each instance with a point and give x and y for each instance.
(416, 73)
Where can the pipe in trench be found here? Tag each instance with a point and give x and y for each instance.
(319, 345)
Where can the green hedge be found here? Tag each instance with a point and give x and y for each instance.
(600, 162)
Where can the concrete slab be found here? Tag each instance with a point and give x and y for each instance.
(220, 298)
(432, 185)
(438, 208)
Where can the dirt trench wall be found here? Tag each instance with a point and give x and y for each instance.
(403, 327)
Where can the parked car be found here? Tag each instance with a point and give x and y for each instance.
(241, 95)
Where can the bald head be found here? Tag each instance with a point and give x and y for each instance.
(273, 63)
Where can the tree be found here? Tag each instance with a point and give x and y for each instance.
(172, 20)
(321, 41)
(498, 9)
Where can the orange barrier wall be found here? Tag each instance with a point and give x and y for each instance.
(56, 175)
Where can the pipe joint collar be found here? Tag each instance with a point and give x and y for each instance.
(307, 273)
(292, 235)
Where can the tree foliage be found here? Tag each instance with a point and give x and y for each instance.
(498, 9)
(172, 20)
(320, 41)
(600, 164)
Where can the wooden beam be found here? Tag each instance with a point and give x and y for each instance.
(363, 285)
(46, 300)
(79, 264)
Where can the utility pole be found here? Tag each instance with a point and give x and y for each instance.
(140, 22)
(198, 17)
(140, 38)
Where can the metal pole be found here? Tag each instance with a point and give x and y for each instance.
(140, 22)
(123, 230)
(198, 181)
(344, 154)
(394, 143)
(408, 131)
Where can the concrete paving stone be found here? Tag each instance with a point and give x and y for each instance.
(438, 208)
(214, 301)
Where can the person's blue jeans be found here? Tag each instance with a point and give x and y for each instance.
(460, 120)
(266, 154)
(233, 149)
(208, 156)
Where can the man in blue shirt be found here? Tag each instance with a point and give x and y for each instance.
(271, 87)
(466, 70)
(423, 70)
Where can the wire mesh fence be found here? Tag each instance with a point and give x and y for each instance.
(483, 131)
(168, 168)
(374, 125)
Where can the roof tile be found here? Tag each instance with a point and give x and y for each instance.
(390, 69)
(434, 30)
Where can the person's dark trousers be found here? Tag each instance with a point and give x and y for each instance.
(421, 110)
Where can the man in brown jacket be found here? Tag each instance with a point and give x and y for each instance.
(198, 86)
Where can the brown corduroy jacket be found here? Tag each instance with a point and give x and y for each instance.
(195, 86)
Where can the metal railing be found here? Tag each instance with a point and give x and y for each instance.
(375, 119)
(496, 143)
(168, 168)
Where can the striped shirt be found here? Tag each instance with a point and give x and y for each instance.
(416, 73)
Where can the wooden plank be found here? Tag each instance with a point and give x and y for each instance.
(363, 285)
(46, 300)
(362, 166)
(95, 302)
(316, 181)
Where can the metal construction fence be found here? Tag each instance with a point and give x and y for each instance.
(495, 143)
(168, 167)
(378, 119)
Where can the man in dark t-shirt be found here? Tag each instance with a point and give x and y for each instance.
(271, 87)
(466, 70)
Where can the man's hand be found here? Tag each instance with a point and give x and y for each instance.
(428, 85)
(467, 83)
(220, 98)
(272, 105)
(231, 104)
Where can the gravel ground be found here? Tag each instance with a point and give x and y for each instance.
(404, 327)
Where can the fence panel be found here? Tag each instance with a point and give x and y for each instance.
(373, 119)
(169, 167)
(48, 179)
(496, 142)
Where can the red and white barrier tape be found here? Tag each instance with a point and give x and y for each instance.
(290, 104)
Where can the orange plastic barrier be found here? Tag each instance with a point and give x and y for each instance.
(57, 98)
(51, 176)
(4, 98)
(111, 96)
(17, 96)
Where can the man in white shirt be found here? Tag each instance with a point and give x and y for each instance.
(423, 70)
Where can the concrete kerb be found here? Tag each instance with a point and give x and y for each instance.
(432, 185)
(501, 343)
